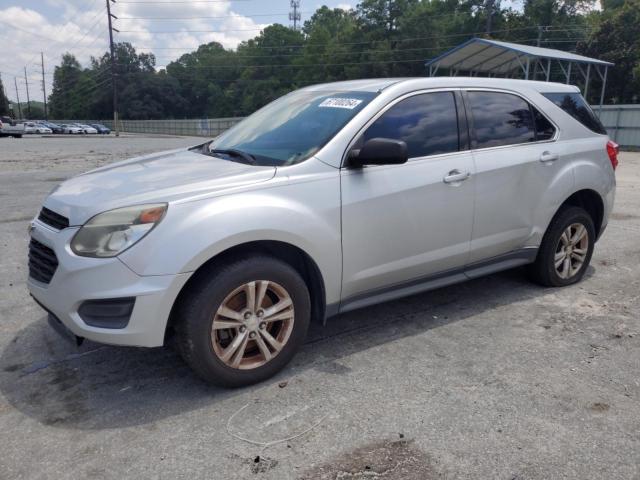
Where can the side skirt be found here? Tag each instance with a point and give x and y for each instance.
(438, 280)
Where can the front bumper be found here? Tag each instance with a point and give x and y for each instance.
(78, 279)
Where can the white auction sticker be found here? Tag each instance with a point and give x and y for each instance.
(348, 103)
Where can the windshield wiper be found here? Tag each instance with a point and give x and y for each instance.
(232, 152)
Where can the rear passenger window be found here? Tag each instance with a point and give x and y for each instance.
(544, 128)
(577, 107)
(500, 119)
(427, 123)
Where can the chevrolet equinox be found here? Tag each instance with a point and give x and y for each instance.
(331, 198)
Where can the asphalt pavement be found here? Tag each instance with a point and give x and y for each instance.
(494, 378)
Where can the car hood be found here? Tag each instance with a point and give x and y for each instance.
(161, 177)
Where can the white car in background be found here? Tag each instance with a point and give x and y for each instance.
(87, 128)
(31, 127)
(71, 128)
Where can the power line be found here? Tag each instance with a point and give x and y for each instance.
(220, 17)
(369, 42)
(285, 65)
(162, 32)
(320, 54)
(160, 2)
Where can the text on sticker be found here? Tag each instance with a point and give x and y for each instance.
(348, 103)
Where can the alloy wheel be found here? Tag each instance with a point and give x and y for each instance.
(252, 324)
(571, 251)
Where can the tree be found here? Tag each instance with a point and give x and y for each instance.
(66, 98)
(380, 38)
(617, 39)
(4, 101)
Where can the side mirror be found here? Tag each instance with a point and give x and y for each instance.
(379, 151)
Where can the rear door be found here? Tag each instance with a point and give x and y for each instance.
(516, 160)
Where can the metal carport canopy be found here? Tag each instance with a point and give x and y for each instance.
(495, 58)
(502, 58)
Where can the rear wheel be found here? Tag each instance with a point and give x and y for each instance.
(566, 249)
(241, 323)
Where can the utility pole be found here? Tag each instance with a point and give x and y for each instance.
(44, 87)
(15, 81)
(294, 15)
(490, 4)
(26, 84)
(113, 69)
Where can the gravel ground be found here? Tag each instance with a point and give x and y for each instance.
(494, 378)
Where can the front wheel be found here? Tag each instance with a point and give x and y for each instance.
(242, 323)
(566, 249)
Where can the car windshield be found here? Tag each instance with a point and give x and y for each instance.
(292, 128)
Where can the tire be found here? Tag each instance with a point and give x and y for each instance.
(199, 308)
(554, 246)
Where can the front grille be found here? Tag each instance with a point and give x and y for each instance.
(53, 219)
(42, 262)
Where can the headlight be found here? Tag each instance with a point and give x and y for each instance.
(110, 233)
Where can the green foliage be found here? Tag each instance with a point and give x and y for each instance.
(616, 38)
(4, 101)
(380, 38)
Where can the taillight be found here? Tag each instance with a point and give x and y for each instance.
(612, 150)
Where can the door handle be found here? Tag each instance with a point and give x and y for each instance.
(455, 176)
(549, 157)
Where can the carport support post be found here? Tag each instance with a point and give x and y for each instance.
(604, 85)
(113, 71)
(586, 83)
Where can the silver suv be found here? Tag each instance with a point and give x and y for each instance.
(331, 198)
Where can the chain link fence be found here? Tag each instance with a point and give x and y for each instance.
(205, 127)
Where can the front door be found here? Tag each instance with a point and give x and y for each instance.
(402, 224)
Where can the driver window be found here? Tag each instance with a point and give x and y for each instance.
(427, 123)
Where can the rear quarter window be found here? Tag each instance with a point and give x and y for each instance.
(576, 106)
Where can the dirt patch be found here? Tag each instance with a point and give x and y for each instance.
(386, 460)
(599, 407)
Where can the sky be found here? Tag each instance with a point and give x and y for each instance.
(53, 27)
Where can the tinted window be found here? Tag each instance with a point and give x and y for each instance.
(428, 123)
(500, 119)
(544, 128)
(575, 105)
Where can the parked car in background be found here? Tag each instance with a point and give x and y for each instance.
(102, 130)
(71, 128)
(87, 128)
(33, 127)
(331, 198)
(55, 128)
(9, 128)
(43, 128)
